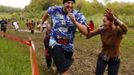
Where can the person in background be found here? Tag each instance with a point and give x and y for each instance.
(16, 25)
(111, 32)
(31, 26)
(3, 23)
(47, 47)
(33, 22)
(27, 24)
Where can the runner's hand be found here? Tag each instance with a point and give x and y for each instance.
(109, 12)
(70, 15)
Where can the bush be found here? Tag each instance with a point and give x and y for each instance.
(97, 18)
(128, 19)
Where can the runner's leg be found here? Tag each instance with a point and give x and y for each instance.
(59, 59)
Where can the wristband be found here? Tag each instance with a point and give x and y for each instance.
(120, 22)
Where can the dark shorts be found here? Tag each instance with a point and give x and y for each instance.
(62, 59)
(3, 29)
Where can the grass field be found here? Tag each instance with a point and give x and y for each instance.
(14, 58)
(5, 15)
(37, 38)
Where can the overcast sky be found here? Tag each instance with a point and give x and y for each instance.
(23, 3)
(15, 3)
(102, 1)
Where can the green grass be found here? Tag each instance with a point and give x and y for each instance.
(38, 41)
(5, 15)
(14, 58)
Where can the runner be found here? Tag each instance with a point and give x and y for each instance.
(27, 24)
(16, 25)
(64, 22)
(47, 48)
(32, 26)
(3, 23)
(111, 32)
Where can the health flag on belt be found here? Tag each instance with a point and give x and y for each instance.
(91, 25)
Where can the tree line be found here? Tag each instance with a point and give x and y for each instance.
(93, 10)
(89, 9)
(8, 9)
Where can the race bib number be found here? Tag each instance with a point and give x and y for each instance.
(63, 29)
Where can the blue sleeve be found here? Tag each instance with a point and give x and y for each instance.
(51, 10)
(81, 19)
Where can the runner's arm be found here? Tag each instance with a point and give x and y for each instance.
(45, 16)
(122, 27)
(82, 28)
(93, 33)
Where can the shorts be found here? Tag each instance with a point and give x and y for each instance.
(62, 59)
(3, 29)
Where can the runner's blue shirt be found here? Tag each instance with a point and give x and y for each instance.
(62, 26)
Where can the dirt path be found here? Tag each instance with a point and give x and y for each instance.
(26, 30)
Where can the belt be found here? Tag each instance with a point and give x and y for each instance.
(63, 41)
(106, 58)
